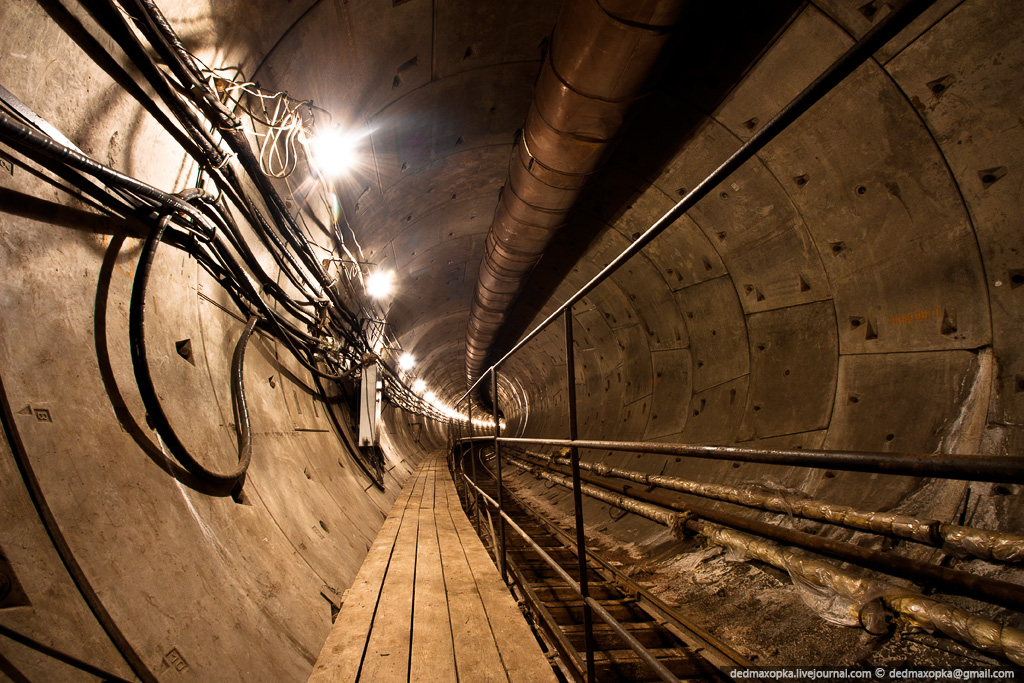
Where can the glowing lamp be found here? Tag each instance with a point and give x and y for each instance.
(380, 284)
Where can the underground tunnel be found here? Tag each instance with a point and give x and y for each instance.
(752, 270)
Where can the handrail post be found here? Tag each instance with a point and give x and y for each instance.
(577, 494)
(472, 465)
(500, 550)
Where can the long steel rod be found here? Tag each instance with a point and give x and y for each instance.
(948, 580)
(858, 53)
(984, 543)
(500, 550)
(472, 465)
(938, 465)
(596, 606)
(577, 494)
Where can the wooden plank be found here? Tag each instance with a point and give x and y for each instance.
(342, 653)
(433, 654)
(387, 650)
(520, 652)
(476, 654)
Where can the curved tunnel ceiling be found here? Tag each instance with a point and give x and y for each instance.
(855, 286)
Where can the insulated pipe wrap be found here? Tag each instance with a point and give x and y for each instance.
(863, 595)
(987, 544)
(601, 59)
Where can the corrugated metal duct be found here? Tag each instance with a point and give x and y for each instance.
(601, 57)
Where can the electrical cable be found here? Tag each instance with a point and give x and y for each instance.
(144, 378)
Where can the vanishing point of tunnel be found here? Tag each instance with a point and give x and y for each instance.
(265, 272)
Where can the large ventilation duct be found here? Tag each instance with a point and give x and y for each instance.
(601, 57)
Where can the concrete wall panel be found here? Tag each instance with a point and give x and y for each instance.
(717, 330)
(793, 363)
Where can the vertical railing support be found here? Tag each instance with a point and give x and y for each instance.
(472, 465)
(577, 494)
(500, 550)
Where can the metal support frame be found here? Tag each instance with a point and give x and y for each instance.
(577, 493)
(500, 551)
(472, 466)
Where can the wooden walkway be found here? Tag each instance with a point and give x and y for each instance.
(428, 603)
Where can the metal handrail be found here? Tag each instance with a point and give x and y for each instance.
(989, 468)
(857, 54)
(596, 606)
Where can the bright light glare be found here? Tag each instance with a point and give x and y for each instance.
(380, 283)
(406, 362)
(333, 151)
(430, 397)
(419, 386)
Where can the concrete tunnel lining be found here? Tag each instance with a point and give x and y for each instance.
(888, 317)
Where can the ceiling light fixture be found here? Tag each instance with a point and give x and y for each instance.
(406, 362)
(380, 283)
(419, 386)
(333, 152)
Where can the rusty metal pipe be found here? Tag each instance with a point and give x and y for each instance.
(959, 540)
(601, 58)
(914, 609)
(947, 580)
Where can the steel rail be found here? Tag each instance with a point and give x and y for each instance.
(650, 603)
(989, 468)
(549, 625)
(596, 606)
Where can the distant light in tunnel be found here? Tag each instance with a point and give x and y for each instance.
(406, 362)
(333, 151)
(419, 386)
(380, 283)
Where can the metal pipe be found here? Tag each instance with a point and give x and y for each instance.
(984, 543)
(939, 465)
(577, 496)
(488, 320)
(501, 551)
(969, 628)
(949, 580)
(599, 63)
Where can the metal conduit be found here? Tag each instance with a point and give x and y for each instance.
(948, 580)
(960, 540)
(601, 57)
(914, 609)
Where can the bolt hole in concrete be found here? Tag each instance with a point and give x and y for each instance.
(184, 349)
(890, 437)
(861, 189)
(324, 526)
(829, 474)
(1001, 490)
